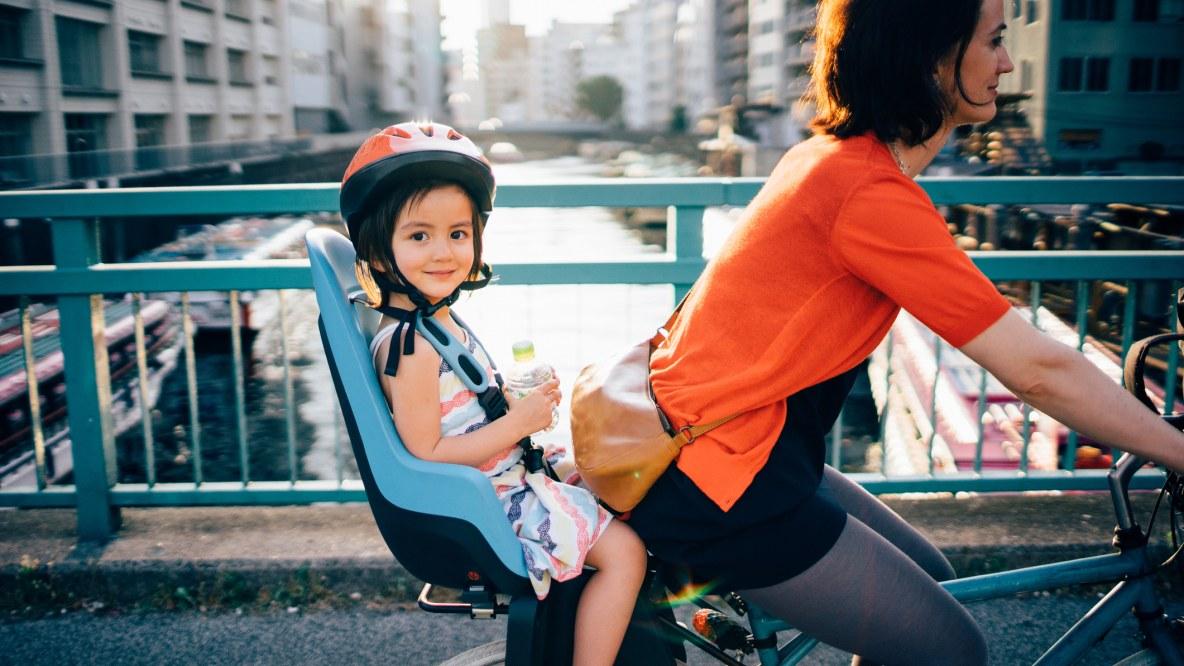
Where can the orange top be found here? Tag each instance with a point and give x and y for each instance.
(806, 286)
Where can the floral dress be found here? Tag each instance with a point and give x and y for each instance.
(556, 523)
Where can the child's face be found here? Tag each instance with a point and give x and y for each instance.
(433, 241)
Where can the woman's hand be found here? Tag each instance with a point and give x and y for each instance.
(534, 411)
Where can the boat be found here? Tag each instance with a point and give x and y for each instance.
(910, 354)
(161, 344)
(236, 239)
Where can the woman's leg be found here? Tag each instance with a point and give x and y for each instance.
(868, 598)
(606, 603)
(870, 511)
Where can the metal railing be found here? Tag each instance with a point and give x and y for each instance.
(79, 279)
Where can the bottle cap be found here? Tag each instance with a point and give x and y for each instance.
(523, 350)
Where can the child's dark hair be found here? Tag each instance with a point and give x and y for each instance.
(875, 65)
(373, 243)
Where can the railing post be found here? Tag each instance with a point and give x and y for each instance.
(88, 384)
(684, 239)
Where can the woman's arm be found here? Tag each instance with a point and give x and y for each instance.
(415, 396)
(1058, 380)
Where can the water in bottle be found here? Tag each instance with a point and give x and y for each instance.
(527, 374)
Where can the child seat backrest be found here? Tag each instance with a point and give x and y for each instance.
(442, 522)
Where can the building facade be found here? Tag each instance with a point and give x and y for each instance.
(101, 84)
(396, 67)
(1103, 80)
(780, 53)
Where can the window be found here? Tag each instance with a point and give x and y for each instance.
(1069, 74)
(1169, 75)
(79, 52)
(1026, 75)
(1017, 7)
(1080, 139)
(197, 61)
(1097, 77)
(1146, 10)
(12, 43)
(86, 134)
(1141, 75)
(238, 9)
(765, 60)
(1033, 11)
(200, 129)
(271, 70)
(16, 131)
(1088, 10)
(149, 135)
(144, 52)
(767, 26)
(236, 62)
(1076, 74)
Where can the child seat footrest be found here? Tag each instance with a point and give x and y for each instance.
(479, 601)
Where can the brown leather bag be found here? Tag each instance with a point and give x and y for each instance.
(621, 440)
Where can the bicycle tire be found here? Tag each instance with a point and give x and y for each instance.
(1148, 657)
(489, 654)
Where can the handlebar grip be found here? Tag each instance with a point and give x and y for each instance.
(1136, 359)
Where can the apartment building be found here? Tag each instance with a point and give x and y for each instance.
(780, 50)
(503, 63)
(395, 66)
(83, 78)
(730, 22)
(567, 54)
(1103, 81)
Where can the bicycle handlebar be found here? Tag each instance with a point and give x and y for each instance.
(1119, 478)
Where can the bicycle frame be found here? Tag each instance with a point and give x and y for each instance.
(1131, 566)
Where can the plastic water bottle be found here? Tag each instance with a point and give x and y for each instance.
(527, 374)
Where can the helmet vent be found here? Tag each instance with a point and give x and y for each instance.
(454, 135)
(428, 130)
(395, 130)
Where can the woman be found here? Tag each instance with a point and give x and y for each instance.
(838, 240)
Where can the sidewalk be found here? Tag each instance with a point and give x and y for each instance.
(331, 555)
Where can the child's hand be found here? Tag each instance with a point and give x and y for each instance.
(534, 410)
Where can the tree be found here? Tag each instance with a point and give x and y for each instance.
(600, 96)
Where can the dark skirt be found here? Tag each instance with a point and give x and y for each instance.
(778, 528)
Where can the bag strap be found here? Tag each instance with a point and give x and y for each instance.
(688, 433)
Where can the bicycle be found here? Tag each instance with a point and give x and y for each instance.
(444, 526)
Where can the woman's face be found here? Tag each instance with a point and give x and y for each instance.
(985, 61)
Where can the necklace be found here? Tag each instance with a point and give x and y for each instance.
(896, 154)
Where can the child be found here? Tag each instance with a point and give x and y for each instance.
(415, 199)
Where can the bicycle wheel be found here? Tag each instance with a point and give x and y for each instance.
(489, 654)
(1146, 657)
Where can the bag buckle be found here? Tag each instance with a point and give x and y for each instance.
(688, 432)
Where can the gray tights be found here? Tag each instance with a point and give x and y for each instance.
(875, 594)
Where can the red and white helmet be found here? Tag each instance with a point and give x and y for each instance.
(413, 150)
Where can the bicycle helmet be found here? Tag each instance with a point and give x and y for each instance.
(421, 151)
(413, 150)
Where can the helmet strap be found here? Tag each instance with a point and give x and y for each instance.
(407, 319)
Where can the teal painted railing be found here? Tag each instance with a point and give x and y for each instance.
(78, 279)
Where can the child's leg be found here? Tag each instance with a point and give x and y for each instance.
(607, 601)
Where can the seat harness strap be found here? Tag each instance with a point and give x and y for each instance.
(471, 373)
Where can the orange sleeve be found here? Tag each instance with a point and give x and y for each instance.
(889, 235)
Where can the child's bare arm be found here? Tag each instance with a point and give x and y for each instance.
(415, 392)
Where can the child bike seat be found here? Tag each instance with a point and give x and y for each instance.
(441, 521)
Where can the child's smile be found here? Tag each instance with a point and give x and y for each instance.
(433, 241)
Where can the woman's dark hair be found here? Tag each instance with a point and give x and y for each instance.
(378, 226)
(875, 65)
